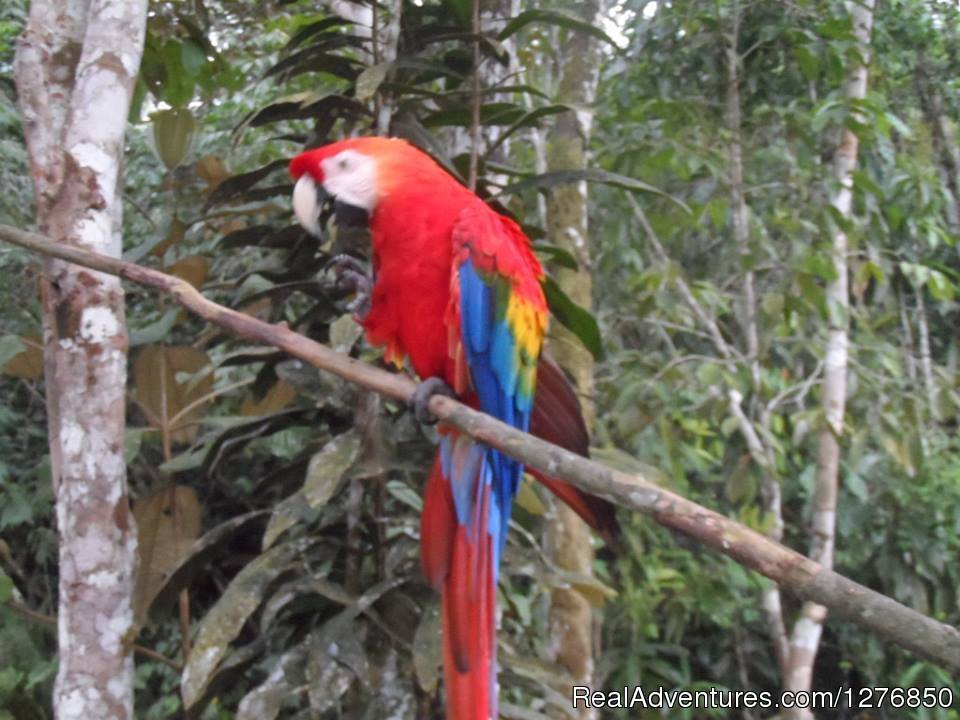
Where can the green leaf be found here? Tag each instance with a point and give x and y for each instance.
(865, 183)
(156, 331)
(239, 184)
(369, 81)
(221, 625)
(309, 31)
(496, 113)
(17, 508)
(192, 57)
(856, 485)
(808, 62)
(553, 17)
(917, 274)
(548, 180)
(428, 649)
(6, 587)
(557, 255)
(940, 286)
(10, 346)
(177, 89)
(899, 125)
(575, 318)
(527, 120)
(461, 10)
(717, 208)
(402, 492)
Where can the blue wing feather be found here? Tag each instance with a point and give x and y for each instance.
(493, 361)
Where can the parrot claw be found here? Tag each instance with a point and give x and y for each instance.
(421, 398)
(352, 277)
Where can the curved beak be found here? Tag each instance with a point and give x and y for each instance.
(309, 199)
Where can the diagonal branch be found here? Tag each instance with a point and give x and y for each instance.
(808, 580)
(724, 348)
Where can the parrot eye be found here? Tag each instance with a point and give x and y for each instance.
(343, 163)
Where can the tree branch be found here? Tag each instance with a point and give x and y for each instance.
(723, 347)
(808, 580)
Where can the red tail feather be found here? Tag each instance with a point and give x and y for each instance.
(437, 527)
(458, 560)
(557, 418)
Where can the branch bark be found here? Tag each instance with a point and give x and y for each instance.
(805, 578)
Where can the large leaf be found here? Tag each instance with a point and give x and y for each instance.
(280, 394)
(237, 185)
(575, 318)
(221, 625)
(553, 17)
(324, 474)
(213, 544)
(315, 28)
(266, 699)
(548, 180)
(495, 113)
(527, 120)
(193, 269)
(267, 236)
(21, 357)
(168, 380)
(428, 649)
(556, 254)
(173, 132)
(369, 81)
(168, 523)
(311, 61)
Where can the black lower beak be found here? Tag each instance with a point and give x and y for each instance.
(349, 216)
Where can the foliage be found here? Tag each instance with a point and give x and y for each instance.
(281, 506)
(667, 386)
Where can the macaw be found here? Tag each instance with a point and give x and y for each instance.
(457, 292)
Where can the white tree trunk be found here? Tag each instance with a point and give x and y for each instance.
(805, 638)
(75, 69)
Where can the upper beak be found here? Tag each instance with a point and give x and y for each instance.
(308, 202)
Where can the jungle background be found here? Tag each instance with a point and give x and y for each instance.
(672, 162)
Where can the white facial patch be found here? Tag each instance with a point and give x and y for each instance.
(305, 205)
(351, 177)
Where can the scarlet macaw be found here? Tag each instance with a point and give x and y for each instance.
(457, 291)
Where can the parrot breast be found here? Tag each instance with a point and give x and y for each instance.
(412, 231)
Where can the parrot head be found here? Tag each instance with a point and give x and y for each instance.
(351, 175)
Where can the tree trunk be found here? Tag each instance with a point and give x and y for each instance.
(949, 164)
(75, 69)
(926, 360)
(805, 638)
(567, 537)
(762, 453)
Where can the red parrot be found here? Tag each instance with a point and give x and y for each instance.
(457, 292)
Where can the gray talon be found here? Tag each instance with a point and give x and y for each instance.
(352, 277)
(421, 398)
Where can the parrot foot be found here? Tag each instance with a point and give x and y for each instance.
(421, 398)
(352, 277)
